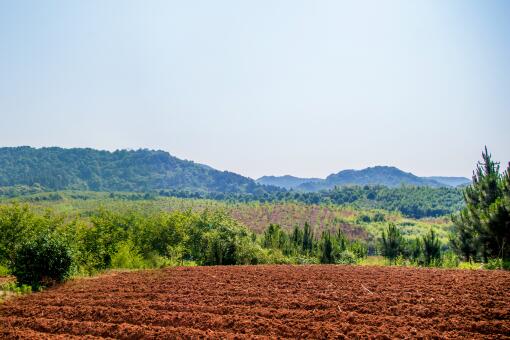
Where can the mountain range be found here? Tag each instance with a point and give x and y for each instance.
(379, 175)
(142, 170)
(123, 170)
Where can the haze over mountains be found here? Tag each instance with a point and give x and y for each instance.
(144, 170)
(379, 175)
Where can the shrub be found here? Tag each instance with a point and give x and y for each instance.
(450, 260)
(497, 264)
(346, 257)
(127, 257)
(4, 271)
(402, 261)
(43, 261)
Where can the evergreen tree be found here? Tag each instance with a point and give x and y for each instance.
(431, 247)
(482, 228)
(392, 243)
(297, 238)
(415, 249)
(307, 239)
(327, 248)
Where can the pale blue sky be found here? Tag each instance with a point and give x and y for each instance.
(262, 87)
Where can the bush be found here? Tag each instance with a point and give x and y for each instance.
(4, 271)
(346, 257)
(303, 259)
(43, 261)
(127, 257)
(450, 260)
(497, 264)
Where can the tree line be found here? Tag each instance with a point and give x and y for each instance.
(42, 247)
(481, 230)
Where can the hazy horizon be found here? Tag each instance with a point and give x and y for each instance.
(263, 88)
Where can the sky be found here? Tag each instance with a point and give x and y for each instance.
(264, 87)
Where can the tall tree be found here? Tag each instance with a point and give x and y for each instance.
(307, 238)
(327, 248)
(482, 228)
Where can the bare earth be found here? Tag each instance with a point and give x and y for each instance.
(268, 301)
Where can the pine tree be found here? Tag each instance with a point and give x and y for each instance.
(392, 243)
(482, 228)
(431, 247)
(307, 239)
(327, 248)
(297, 238)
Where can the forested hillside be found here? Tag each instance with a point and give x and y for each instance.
(141, 170)
(379, 175)
(416, 202)
(287, 181)
(26, 171)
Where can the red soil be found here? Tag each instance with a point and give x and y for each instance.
(269, 301)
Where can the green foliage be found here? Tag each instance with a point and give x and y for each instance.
(127, 257)
(359, 249)
(482, 228)
(392, 243)
(123, 170)
(327, 248)
(307, 239)
(302, 247)
(45, 260)
(147, 174)
(419, 251)
(10, 288)
(4, 271)
(431, 248)
(346, 257)
(497, 264)
(18, 224)
(450, 260)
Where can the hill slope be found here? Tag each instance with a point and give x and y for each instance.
(287, 181)
(451, 181)
(141, 170)
(379, 175)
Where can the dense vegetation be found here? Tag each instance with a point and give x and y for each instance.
(482, 228)
(45, 247)
(122, 170)
(416, 202)
(27, 171)
(425, 251)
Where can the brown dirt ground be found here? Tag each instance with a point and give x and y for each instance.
(268, 301)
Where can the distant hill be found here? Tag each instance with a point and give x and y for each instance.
(379, 175)
(123, 170)
(450, 181)
(287, 181)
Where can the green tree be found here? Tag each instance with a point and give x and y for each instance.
(307, 239)
(431, 247)
(327, 248)
(44, 260)
(18, 224)
(392, 243)
(482, 228)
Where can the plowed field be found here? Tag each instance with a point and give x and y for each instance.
(268, 301)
